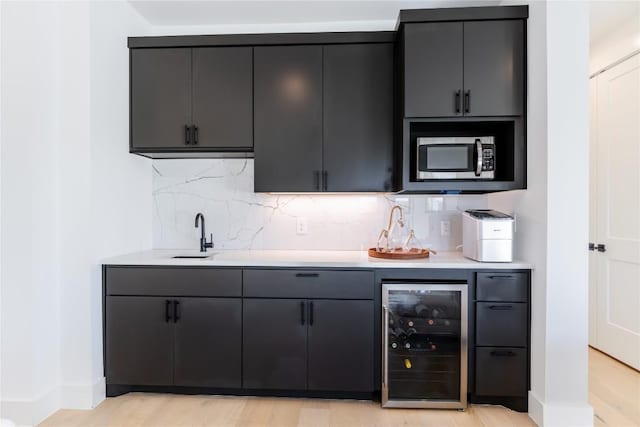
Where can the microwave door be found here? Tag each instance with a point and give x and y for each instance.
(447, 161)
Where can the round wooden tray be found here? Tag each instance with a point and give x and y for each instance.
(413, 253)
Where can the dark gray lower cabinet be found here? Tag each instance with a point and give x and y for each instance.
(208, 342)
(274, 344)
(139, 341)
(340, 343)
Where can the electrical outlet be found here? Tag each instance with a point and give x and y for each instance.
(445, 228)
(302, 226)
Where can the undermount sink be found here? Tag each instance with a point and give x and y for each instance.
(192, 256)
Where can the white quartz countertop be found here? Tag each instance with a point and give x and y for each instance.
(302, 258)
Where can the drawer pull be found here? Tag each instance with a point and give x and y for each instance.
(500, 307)
(503, 353)
(307, 275)
(501, 277)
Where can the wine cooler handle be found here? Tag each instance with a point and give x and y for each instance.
(385, 349)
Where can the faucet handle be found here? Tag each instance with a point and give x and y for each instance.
(209, 244)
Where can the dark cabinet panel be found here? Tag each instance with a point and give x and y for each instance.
(340, 345)
(433, 69)
(358, 117)
(139, 341)
(160, 97)
(501, 371)
(494, 68)
(287, 118)
(501, 324)
(208, 342)
(223, 97)
(274, 344)
(499, 286)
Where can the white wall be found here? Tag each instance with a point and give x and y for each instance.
(552, 230)
(30, 312)
(619, 43)
(71, 195)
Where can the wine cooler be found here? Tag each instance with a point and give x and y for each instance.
(424, 345)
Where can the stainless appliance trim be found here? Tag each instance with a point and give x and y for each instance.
(478, 173)
(464, 326)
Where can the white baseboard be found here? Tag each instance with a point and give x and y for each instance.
(30, 412)
(554, 415)
(83, 396)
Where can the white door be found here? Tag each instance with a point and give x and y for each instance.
(618, 212)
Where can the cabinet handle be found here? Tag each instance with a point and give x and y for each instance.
(500, 307)
(467, 101)
(457, 102)
(307, 275)
(502, 277)
(167, 315)
(316, 180)
(325, 175)
(302, 312)
(310, 313)
(507, 353)
(176, 313)
(195, 135)
(187, 135)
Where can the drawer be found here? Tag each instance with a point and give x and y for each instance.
(172, 281)
(501, 324)
(501, 372)
(308, 284)
(498, 286)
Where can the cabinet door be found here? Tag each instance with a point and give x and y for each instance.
(358, 117)
(341, 345)
(139, 341)
(432, 69)
(208, 342)
(223, 97)
(274, 344)
(160, 97)
(288, 118)
(494, 68)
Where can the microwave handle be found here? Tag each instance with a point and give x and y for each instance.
(478, 157)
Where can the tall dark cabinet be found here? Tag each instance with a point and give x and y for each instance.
(190, 100)
(288, 118)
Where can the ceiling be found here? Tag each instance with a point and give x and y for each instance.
(239, 12)
(607, 15)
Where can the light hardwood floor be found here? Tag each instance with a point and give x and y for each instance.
(614, 393)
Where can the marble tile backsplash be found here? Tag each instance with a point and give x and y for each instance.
(222, 189)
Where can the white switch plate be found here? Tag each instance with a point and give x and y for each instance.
(445, 228)
(302, 226)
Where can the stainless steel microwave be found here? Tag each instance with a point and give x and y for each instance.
(456, 158)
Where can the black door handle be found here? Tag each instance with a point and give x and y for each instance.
(601, 248)
(467, 101)
(167, 315)
(302, 312)
(316, 180)
(307, 275)
(310, 313)
(324, 180)
(507, 353)
(505, 276)
(195, 134)
(187, 135)
(176, 312)
(500, 307)
(457, 102)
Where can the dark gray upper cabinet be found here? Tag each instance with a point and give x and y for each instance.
(185, 99)
(208, 342)
(358, 117)
(470, 68)
(340, 343)
(274, 344)
(223, 97)
(433, 69)
(494, 68)
(287, 118)
(160, 97)
(138, 341)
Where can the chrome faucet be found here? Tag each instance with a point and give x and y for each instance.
(203, 240)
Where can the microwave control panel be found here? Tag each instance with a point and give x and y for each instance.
(488, 158)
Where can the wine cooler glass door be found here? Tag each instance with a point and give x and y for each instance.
(424, 352)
